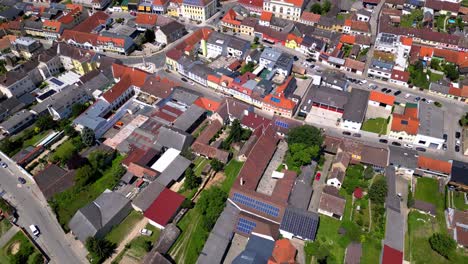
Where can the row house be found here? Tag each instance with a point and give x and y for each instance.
(96, 4)
(219, 44)
(254, 6)
(230, 21)
(356, 27)
(278, 102)
(404, 126)
(380, 70)
(198, 10)
(400, 77)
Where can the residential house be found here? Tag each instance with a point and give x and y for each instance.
(145, 21)
(26, 47)
(174, 8)
(338, 169)
(274, 60)
(284, 252)
(457, 222)
(198, 10)
(400, 77)
(433, 167)
(53, 179)
(170, 32)
(288, 9)
(299, 223)
(33, 28)
(355, 110)
(405, 125)
(247, 26)
(254, 6)
(458, 177)
(258, 246)
(60, 104)
(17, 122)
(160, 6)
(95, 4)
(97, 218)
(219, 44)
(354, 66)
(431, 126)
(331, 203)
(335, 80)
(379, 105)
(22, 80)
(164, 208)
(363, 15)
(278, 102)
(380, 70)
(404, 160)
(79, 60)
(230, 21)
(309, 18)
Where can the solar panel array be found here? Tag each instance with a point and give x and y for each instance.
(276, 100)
(245, 226)
(300, 223)
(281, 124)
(256, 204)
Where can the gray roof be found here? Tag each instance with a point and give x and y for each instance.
(425, 207)
(97, 214)
(174, 171)
(171, 27)
(20, 73)
(334, 78)
(285, 61)
(16, 119)
(148, 195)
(98, 82)
(431, 120)
(403, 157)
(91, 118)
(29, 24)
(270, 54)
(171, 137)
(189, 117)
(302, 189)
(184, 97)
(300, 222)
(11, 106)
(220, 237)
(328, 96)
(392, 201)
(459, 172)
(257, 251)
(355, 108)
(395, 230)
(364, 12)
(201, 70)
(439, 88)
(10, 13)
(353, 253)
(387, 66)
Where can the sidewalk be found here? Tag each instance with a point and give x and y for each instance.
(8, 235)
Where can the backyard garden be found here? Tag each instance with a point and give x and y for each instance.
(376, 125)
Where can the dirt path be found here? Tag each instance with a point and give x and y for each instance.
(134, 233)
(181, 246)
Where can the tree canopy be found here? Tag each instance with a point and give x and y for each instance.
(100, 160)
(210, 205)
(88, 137)
(99, 248)
(45, 122)
(442, 244)
(85, 175)
(216, 165)
(306, 134)
(378, 191)
(191, 181)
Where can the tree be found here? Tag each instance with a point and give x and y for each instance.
(236, 131)
(249, 67)
(326, 7)
(70, 131)
(378, 191)
(36, 258)
(77, 109)
(255, 40)
(100, 160)
(451, 71)
(191, 181)
(149, 35)
(99, 248)
(368, 173)
(301, 154)
(442, 244)
(464, 120)
(306, 134)
(316, 8)
(88, 137)
(216, 165)
(210, 205)
(85, 175)
(45, 122)
(8, 146)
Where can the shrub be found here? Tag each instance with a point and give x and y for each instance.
(442, 244)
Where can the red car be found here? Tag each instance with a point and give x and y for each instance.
(317, 176)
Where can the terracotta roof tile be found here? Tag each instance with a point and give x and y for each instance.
(404, 123)
(407, 41)
(348, 39)
(283, 253)
(230, 18)
(266, 16)
(92, 22)
(425, 51)
(207, 104)
(354, 64)
(53, 26)
(434, 165)
(164, 207)
(146, 19)
(382, 98)
(402, 76)
(311, 17)
(360, 26)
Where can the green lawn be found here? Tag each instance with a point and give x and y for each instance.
(66, 204)
(459, 201)
(190, 243)
(118, 233)
(35, 139)
(434, 77)
(5, 225)
(231, 171)
(427, 190)
(199, 165)
(415, 17)
(135, 249)
(377, 125)
(371, 250)
(26, 248)
(328, 233)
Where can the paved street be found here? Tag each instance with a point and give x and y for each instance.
(33, 209)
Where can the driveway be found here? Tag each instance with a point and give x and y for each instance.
(318, 185)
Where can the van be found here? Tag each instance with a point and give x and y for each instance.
(34, 230)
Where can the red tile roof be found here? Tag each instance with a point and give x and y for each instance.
(348, 39)
(146, 19)
(425, 51)
(164, 207)
(404, 123)
(80, 37)
(297, 3)
(382, 98)
(160, 2)
(360, 26)
(311, 17)
(407, 41)
(266, 16)
(254, 121)
(52, 26)
(159, 87)
(68, 18)
(254, 3)
(278, 99)
(230, 18)
(348, 22)
(402, 76)
(427, 163)
(128, 76)
(443, 5)
(283, 252)
(354, 64)
(297, 39)
(391, 256)
(213, 78)
(358, 193)
(92, 22)
(207, 104)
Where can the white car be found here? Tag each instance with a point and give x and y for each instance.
(34, 230)
(408, 146)
(363, 81)
(4, 165)
(407, 95)
(146, 232)
(192, 83)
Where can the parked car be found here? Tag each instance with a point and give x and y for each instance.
(408, 146)
(382, 140)
(357, 135)
(394, 143)
(35, 231)
(318, 175)
(4, 165)
(388, 91)
(397, 93)
(346, 133)
(457, 134)
(184, 80)
(383, 89)
(373, 86)
(362, 81)
(423, 99)
(444, 147)
(457, 148)
(407, 95)
(146, 232)
(421, 149)
(417, 99)
(21, 180)
(445, 136)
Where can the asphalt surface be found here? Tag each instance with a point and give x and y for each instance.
(33, 209)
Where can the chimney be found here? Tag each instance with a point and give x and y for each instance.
(242, 181)
(151, 82)
(246, 112)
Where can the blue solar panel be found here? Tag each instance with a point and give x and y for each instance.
(276, 100)
(57, 82)
(281, 124)
(245, 226)
(255, 204)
